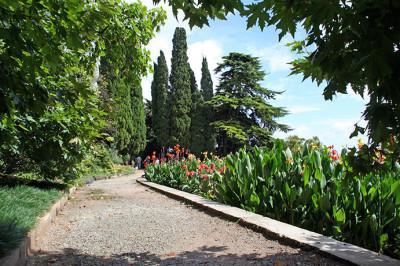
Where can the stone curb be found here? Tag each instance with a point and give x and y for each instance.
(29, 244)
(281, 231)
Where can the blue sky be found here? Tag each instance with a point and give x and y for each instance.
(310, 115)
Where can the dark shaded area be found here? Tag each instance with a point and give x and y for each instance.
(203, 256)
(10, 236)
(13, 181)
(11, 231)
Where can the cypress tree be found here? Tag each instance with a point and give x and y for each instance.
(122, 115)
(181, 100)
(159, 92)
(208, 114)
(154, 98)
(123, 101)
(197, 140)
(138, 134)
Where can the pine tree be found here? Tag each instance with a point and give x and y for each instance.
(243, 115)
(197, 140)
(180, 90)
(159, 92)
(208, 114)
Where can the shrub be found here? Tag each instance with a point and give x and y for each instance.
(314, 188)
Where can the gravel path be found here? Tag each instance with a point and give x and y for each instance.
(120, 222)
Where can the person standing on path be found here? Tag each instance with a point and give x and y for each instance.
(138, 162)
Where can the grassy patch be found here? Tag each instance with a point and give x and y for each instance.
(20, 207)
(26, 197)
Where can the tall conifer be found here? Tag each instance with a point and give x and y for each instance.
(181, 100)
(154, 98)
(208, 114)
(244, 114)
(138, 136)
(197, 140)
(159, 92)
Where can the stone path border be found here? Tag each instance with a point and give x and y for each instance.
(28, 245)
(279, 230)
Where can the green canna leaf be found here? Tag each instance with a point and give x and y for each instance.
(339, 215)
(254, 199)
(306, 175)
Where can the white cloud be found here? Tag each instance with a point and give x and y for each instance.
(330, 131)
(210, 49)
(302, 109)
(303, 131)
(342, 125)
(276, 56)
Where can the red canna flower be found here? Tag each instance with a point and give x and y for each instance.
(222, 170)
(212, 166)
(204, 177)
(190, 173)
(333, 154)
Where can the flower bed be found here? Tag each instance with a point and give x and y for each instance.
(314, 188)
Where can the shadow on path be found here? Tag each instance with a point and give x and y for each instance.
(206, 255)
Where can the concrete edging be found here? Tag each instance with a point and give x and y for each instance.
(29, 244)
(279, 230)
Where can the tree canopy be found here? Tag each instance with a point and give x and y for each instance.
(206, 86)
(349, 45)
(159, 95)
(50, 112)
(181, 101)
(243, 115)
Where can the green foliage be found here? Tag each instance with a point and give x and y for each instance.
(121, 125)
(206, 86)
(349, 45)
(124, 62)
(359, 209)
(295, 143)
(159, 96)
(191, 175)
(180, 97)
(312, 188)
(138, 141)
(243, 116)
(151, 141)
(19, 208)
(197, 129)
(49, 110)
(10, 236)
(173, 111)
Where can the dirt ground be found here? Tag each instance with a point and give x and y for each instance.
(120, 222)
